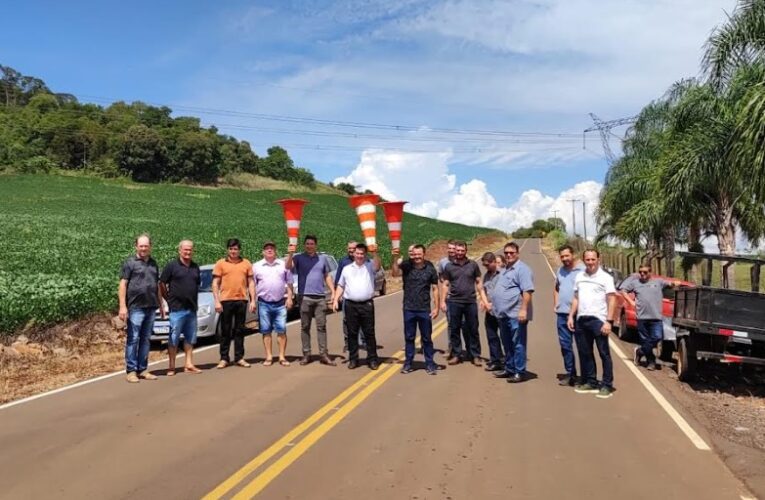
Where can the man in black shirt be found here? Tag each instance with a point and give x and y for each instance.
(139, 298)
(179, 287)
(420, 282)
(459, 280)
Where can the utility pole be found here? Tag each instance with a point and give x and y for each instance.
(573, 215)
(584, 218)
(555, 216)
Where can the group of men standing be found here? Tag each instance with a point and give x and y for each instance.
(584, 302)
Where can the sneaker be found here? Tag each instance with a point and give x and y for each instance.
(407, 369)
(585, 389)
(431, 370)
(566, 381)
(652, 366)
(132, 378)
(636, 356)
(147, 375)
(605, 392)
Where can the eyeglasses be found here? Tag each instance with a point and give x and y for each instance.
(643, 272)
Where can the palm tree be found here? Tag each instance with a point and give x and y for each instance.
(740, 41)
(699, 176)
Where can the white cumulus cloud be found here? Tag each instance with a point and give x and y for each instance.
(425, 181)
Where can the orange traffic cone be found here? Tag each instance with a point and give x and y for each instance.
(364, 204)
(394, 214)
(293, 214)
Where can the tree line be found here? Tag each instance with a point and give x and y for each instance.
(694, 160)
(41, 130)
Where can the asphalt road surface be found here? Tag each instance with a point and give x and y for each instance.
(329, 432)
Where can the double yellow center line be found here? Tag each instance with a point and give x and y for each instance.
(299, 441)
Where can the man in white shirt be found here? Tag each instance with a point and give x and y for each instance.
(357, 288)
(593, 308)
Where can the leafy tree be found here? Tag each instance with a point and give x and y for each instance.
(141, 154)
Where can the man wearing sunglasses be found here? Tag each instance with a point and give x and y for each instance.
(648, 292)
(511, 304)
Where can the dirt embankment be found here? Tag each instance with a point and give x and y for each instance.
(728, 401)
(41, 359)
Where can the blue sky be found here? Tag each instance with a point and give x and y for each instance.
(534, 68)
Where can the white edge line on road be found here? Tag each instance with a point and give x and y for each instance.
(122, 372)
(684, 426)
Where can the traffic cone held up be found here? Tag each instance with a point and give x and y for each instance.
(394, 215)
(366, 211)
(293, 214)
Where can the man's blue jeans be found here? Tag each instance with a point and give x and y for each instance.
(413, 320)
(651, 332)
(587, 332)
(514, 334)
(139, 327)
(496, 356)
(566, 341)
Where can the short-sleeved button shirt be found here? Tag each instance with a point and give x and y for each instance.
(417, 283)
(271, 279)
(592, 291)
(489, 283)
(649, 296)
(182, 284)
(142, 278)
(564, 284)
(233, 278)
(461, 278)
(310, 271)
(507, 296)
(358, 282)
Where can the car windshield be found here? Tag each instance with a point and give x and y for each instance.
(206, 279)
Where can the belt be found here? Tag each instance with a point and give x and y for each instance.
(358, 301)
(313, 296)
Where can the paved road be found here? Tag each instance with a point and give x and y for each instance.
(322, 432)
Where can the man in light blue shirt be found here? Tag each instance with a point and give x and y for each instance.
(563, 295)
(511, 304)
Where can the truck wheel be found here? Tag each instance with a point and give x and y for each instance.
(686, 359)
(624, 331)
(666, 348)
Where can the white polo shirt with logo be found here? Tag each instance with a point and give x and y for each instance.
(592, 291)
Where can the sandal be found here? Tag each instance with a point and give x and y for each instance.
(170, 373)
(243, 363)
(284, 362)
(191, 369)
(223, 363)
(268, 362)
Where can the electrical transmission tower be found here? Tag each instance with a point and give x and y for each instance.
(604, 127)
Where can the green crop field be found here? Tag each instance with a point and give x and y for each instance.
(62, 239)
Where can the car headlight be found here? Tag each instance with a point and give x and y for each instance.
(204, 311)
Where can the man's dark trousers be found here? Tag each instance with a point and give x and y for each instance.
(232, 325)
(587, 332)
(463, 317)
(361, 315)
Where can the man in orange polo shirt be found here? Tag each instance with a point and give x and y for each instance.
(232, 280)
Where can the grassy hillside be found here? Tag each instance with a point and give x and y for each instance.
(62, 239)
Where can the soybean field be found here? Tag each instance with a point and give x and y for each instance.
(62, 239)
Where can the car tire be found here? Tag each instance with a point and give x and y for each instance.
(666, 349)
(686, 359)
(624, 332)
